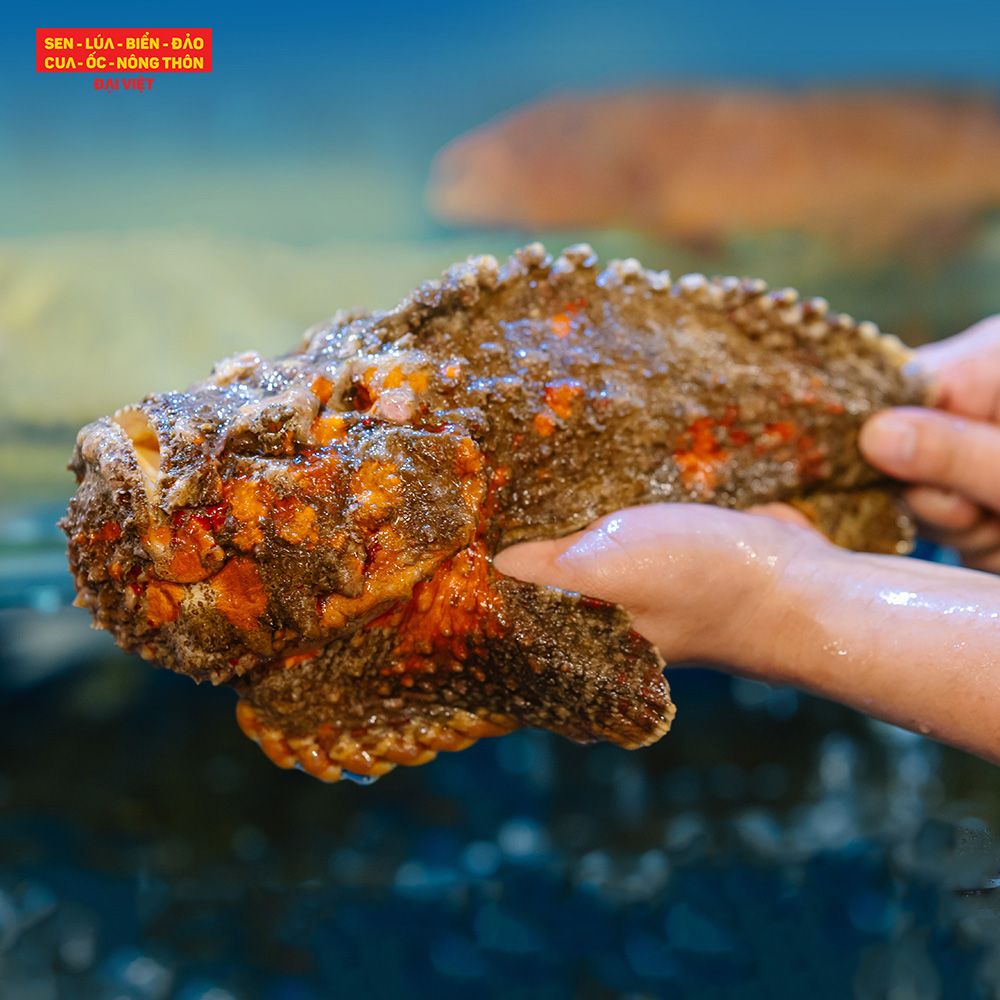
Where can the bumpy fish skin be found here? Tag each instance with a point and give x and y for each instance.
(318, 530)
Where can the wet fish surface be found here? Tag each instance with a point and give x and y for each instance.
(317, 531)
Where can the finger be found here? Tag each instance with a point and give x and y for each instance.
(783, 512)
(534, 562)
(936, 449)
(965, 371)
(615, 559)
(631, 557)
(942, 510)
(986, 563)
(979, 541)
(979, 339)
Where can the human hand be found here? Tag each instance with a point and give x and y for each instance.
(951, 455)
(904, 640)
(693, 577)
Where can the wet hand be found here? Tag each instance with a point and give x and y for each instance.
(693, 577)
(951, 455)
(907, 641)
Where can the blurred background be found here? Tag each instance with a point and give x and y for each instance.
(772, 844)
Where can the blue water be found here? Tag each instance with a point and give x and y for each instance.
(384, 85)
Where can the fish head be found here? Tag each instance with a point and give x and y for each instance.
(269, 508)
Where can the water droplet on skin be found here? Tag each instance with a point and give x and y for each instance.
(903, 598)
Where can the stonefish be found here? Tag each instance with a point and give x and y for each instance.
(317, 531)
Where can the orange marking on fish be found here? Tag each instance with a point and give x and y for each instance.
(561, 395)
(561, 325)
(375, 380)
(295, 659)
(447, 616)
(326, 429)
(163, 602)
(109, 532)
(387, 578)
(393, 378)
(378, 487)
(246, 498)
(699, 454)
(544, 425)
(316, 471)
(775, 435)
(294, 521)
(469, 458)
(239, 593)
(192, 540)
(157, 540)
(811, 458)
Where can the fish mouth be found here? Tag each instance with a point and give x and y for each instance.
(112, 506)
(117, 462)
(144, 439)
(131, 573)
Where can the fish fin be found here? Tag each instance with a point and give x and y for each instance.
(470, 655)
(370, 751)
(580, 668)
(867, 520)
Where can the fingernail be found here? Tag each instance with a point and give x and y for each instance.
(506, 562)
(891, 439)
(523, 561)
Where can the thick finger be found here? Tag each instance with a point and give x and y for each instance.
(633, 556)
(988, 563)
(980, 339)
(942, 510)
(535, 562)
(618, 558)
(936, 449)
(965, 371)
(983, 540)
(979, 541)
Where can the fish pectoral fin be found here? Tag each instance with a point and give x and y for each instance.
(465, 658)
(577, 667)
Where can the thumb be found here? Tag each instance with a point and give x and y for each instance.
(936, 449)
(965, 371)
(691, 575)
(605, 560)
(635, 556)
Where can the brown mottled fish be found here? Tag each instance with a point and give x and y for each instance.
(317, 530)
(867, 170)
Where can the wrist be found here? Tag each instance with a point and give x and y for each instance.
(758, 600)
(770, 620)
